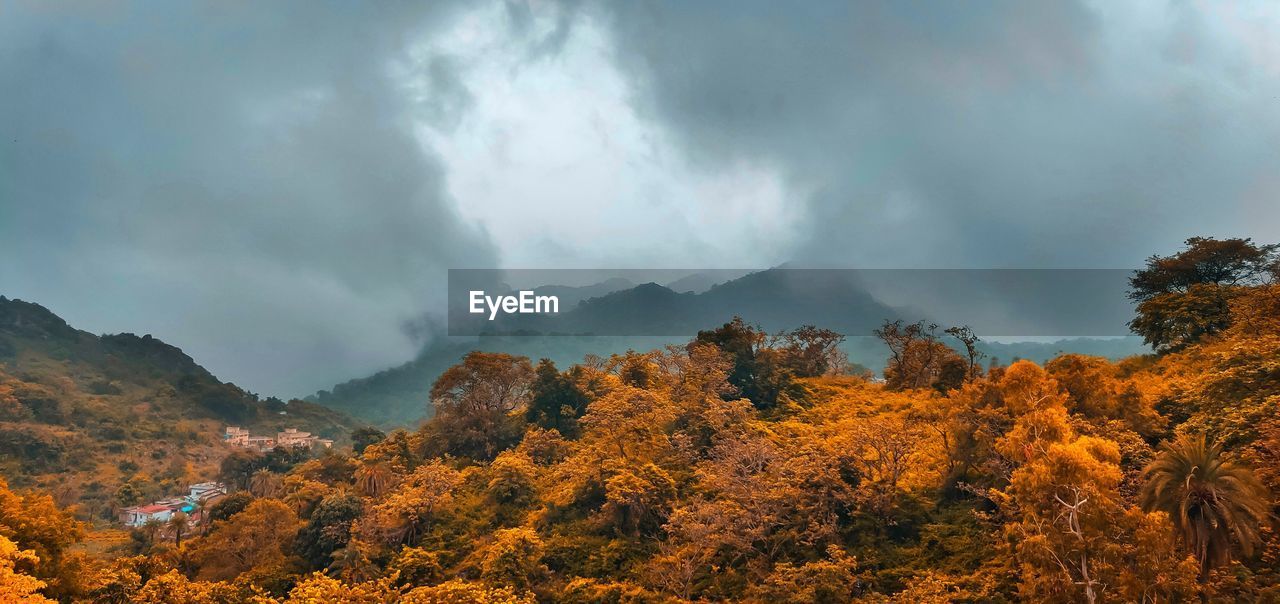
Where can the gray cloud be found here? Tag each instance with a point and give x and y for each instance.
(238, 179)
(976, 134)
(278, 188)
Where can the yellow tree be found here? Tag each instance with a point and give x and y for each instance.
(375, 478)
(407, 513)
(256, 538)
(16, 586)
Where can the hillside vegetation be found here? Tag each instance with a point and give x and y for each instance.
(743, 466)
(104, 421)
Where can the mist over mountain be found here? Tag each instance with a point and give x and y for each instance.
(703, 281)
(649, 316)
(776, 299)
(570, 296)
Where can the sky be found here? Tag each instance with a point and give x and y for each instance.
(279, 188)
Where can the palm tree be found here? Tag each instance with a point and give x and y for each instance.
(265, 483)
(352, 564)
(1212, 501)
(374, 478)
(178, 523)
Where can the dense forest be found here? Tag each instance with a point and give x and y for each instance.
(753, 466)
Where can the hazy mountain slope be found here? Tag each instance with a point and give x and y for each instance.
(399, 395)
(82, 414)
(571, 296)
(774, 299)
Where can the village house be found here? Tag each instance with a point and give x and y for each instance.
(199, 496)
(139, 515)
(240, 437)
(289, 438)
(236, 436)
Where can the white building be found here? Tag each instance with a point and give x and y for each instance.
(139, 515)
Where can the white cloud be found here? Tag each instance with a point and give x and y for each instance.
(553, 159)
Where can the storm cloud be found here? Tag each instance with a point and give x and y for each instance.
(279, 188)
(238, 179)
(989, 134)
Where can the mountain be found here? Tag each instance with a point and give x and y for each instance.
(81, 415)
(571, 296)
(701, 282)
(398, 396)
(776, 299)
(643, 317)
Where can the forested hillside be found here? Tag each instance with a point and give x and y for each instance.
(744, 466)
(105, 421)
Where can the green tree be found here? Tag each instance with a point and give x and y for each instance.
(329, 528)
(555, 401)
(361, 438)
(1186, 296)
(229, 506)
(760, 373)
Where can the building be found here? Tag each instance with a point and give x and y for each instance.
(198, 495)
(290, 437)
(205, 491)
(139, 515)
(261, 443)
(236, 436)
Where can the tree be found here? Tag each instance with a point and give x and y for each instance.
(1186, 296)
(351, 563)
(408, 512)
(555, 401)
(474, 401)
(265, 483)
(917, 359)
(361, 438)
(458, 591)
(970, 341)
(178, 524)
(238, 467)
(760, 373)
(638, 499)
(35, 524)
(1212, 501)
(16, 586)
(317, 587)
(513, 478)
(228, 506)
(375, 478)
(514, 558)
(812, 351)
(329, 528)
(1062, 502)
(416, 566)
(255, 539)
